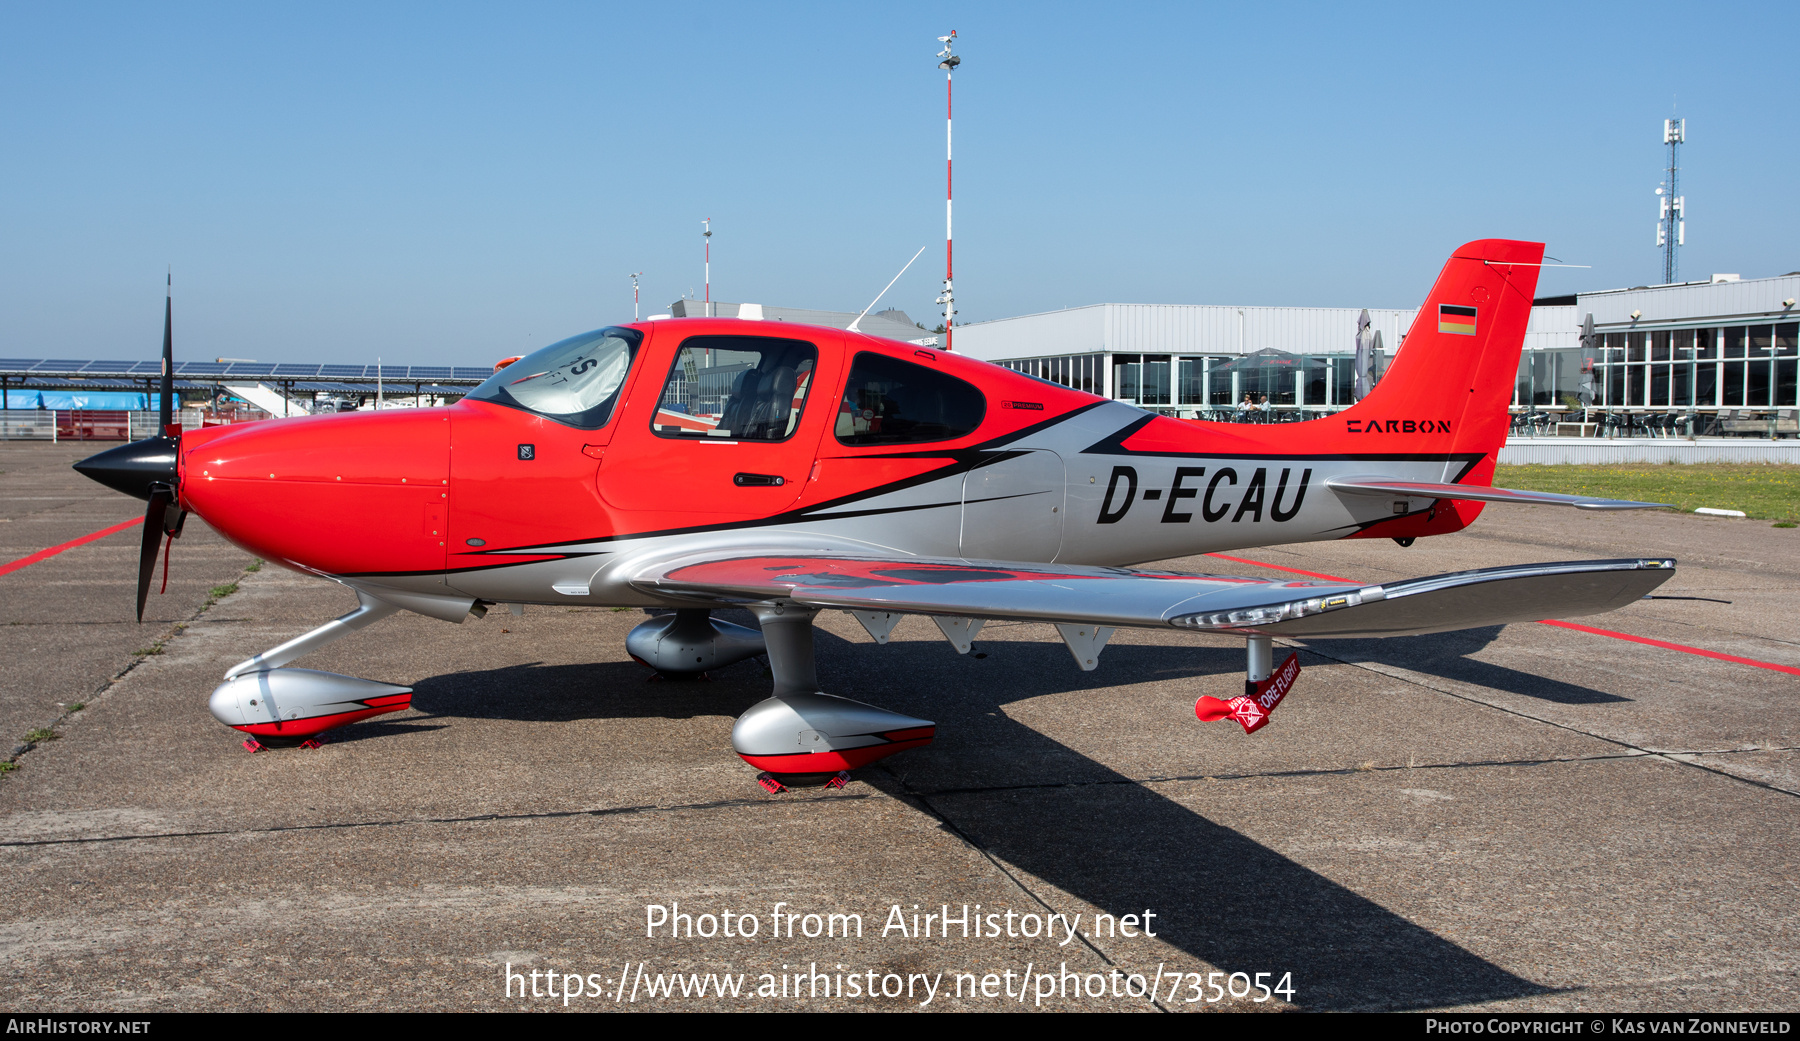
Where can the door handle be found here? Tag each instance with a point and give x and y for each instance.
(758, 480)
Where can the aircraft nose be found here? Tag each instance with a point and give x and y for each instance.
(133, 468)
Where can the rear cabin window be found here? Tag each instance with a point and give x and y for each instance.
(736, 388)
(892, 402)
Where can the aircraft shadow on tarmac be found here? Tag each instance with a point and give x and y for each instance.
(375, 729)
(1037, 804)
(1448, 655)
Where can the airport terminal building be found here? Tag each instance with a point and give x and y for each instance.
(1716, 349)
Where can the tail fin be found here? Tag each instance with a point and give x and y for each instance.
(1456, 366)
(1445, 395)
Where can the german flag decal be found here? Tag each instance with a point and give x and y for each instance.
(1454, 319)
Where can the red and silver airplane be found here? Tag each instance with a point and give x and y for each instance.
(700, 464)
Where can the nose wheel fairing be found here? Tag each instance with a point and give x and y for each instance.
(300, 703)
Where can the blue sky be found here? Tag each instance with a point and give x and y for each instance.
(455, 183)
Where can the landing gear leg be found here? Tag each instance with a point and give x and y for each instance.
(788, 633)
(801, 737)
(368, 611)
(1261, 661)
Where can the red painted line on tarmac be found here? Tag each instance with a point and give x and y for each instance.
(1674, 646)
(1664, 644)
(1278, 567)
(7, 569)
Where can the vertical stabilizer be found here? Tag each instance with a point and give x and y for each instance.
(1449, 386)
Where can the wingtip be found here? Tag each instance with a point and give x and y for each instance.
(1622, 504)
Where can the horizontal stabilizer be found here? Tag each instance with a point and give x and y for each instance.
(1149, 599)
(1389, 486)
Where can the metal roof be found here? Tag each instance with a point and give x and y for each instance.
(1696, 303)
(241, 371)
(1177, 329)
(54, 382)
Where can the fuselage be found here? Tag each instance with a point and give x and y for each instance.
(577, 466)
(501, 503)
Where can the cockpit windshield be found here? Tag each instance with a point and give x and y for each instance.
(574, 381)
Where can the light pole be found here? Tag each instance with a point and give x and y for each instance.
(707, 235)
(948, 63)
(634, 294)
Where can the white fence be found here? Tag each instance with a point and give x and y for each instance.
(27, 426)
(77, 425)
(1579, 450)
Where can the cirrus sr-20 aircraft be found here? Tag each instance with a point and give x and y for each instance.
(701, 464)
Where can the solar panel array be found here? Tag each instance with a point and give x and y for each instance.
(247, 370)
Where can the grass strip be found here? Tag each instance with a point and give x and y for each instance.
(1764, 491)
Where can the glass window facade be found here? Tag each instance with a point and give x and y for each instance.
(1712, 369)
(1725, 367)
(1195, 384)
(1562, 377)
(1080, 371)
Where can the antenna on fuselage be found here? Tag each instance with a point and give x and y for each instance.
(878, 296)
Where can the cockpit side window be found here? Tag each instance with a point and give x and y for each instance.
(736, 388)
(574, 381)
(892, 402)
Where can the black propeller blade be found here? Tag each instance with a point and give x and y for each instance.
(148, 469)
(155, 518)
(168, 359)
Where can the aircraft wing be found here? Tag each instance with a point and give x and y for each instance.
(1388, 487)
(1104, 596)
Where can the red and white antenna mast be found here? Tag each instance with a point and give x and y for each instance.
(707, 235)
(948, 63)
(634, 294)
